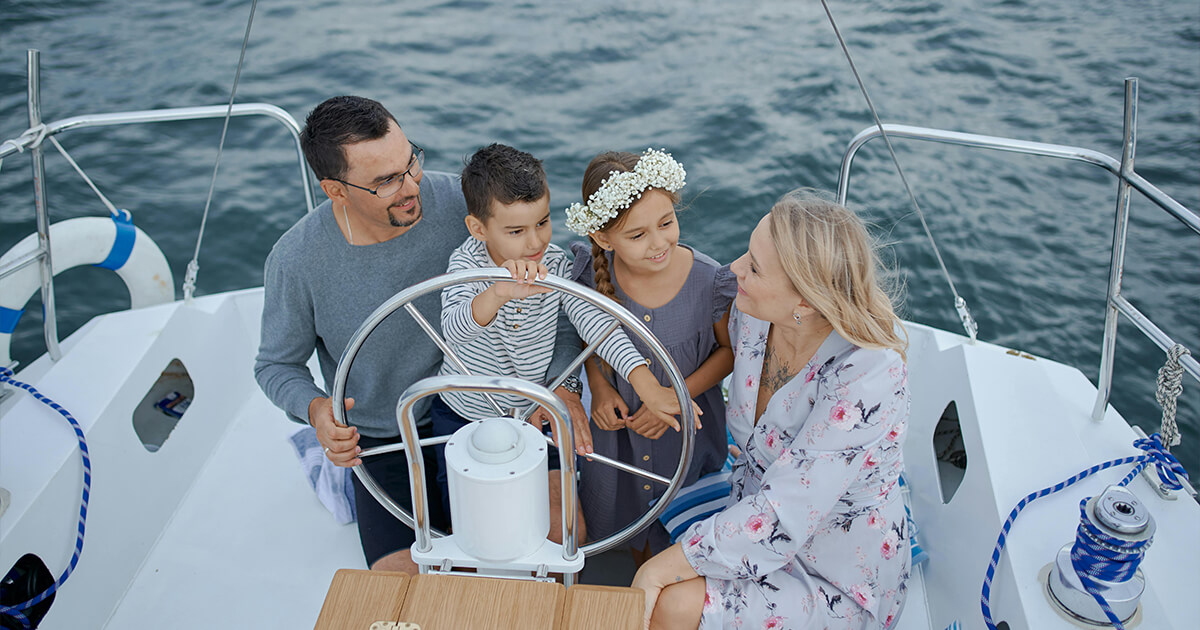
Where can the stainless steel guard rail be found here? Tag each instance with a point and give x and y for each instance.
(1127, 180)
(31, 139)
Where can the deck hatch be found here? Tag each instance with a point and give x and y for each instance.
(161, 409)
(951, 452)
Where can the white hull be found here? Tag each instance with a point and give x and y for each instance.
(219, 528)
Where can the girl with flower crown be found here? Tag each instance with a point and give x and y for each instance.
(683, 297)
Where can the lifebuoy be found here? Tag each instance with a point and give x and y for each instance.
(113, 243)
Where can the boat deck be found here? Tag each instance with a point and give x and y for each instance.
(219, 524)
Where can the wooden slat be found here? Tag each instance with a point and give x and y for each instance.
(358, 598)
(591, 607)
(450, 602)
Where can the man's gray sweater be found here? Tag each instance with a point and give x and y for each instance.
(318, 289)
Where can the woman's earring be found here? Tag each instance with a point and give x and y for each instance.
(799, 319)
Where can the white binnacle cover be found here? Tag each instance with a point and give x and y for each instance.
(499, 498)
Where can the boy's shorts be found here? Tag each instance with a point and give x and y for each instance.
(445, 422)
(379, 531)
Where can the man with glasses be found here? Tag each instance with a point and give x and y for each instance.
(387, 225)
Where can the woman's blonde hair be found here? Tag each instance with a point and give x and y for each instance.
(831, 261)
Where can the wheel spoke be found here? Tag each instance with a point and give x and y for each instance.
(448, 351)
(620, 465)
(399, 446)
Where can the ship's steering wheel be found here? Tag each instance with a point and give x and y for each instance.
(531, 391)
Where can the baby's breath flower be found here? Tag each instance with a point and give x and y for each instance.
(655, 169)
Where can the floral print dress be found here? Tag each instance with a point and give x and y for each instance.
(815, 535)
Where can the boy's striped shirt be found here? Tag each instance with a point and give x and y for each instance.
(520, 340)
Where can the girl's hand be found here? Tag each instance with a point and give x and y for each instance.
(526, 272)
(609, 411)
(646, 424)
(661, 404)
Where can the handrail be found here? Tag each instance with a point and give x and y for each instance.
(38, 131)
(1128, 179)
(1155, 334)
(1061, 151)
(31, 137)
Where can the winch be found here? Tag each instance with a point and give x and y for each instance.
(1115, 530)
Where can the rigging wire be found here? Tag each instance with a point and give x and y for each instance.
(960, 304)
(193, 267)
(108, 204)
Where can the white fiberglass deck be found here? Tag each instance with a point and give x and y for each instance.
(217, 525)
(219, 528)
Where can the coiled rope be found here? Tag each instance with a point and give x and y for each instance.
(1096, 557)
(1099, 555)
(1170, 386)
(16, 611)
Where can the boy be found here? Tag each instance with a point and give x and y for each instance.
(507, 329)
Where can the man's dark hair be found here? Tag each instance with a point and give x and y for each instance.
(501, 173)
(337, 122)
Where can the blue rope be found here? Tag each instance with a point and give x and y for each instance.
(16, 611)
(1090, 559)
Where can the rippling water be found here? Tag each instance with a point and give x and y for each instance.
(754, 100)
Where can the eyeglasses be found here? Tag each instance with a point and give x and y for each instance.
(392, 185)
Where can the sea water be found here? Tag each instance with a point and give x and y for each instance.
(753, 98)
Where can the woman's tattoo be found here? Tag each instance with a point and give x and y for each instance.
(775, 376)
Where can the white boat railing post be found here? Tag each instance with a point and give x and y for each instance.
(49, 320)
(1117, 264)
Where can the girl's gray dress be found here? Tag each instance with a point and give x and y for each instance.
(612, 499)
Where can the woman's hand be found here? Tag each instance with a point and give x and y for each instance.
(668, 567)
(609, 411)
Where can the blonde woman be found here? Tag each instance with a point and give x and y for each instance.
(815, 535)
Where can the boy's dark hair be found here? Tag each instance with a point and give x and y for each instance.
(337, 122)
(501, 173)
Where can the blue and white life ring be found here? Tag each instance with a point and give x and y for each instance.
(112, 243)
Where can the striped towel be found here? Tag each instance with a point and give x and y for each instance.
(919, 554)
(707, 496)
(332, 483)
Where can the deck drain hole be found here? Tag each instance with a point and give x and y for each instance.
(950, 451)
(163, 406)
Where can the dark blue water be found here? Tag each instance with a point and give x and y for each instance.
(754, 99)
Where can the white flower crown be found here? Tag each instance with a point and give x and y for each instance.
(655, 169)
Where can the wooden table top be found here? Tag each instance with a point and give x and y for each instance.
(358, 598)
